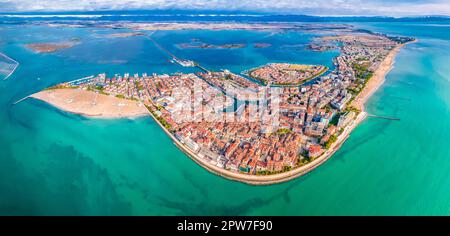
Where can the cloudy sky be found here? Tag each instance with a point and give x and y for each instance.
(309, 7)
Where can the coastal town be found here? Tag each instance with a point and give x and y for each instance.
(262, 122)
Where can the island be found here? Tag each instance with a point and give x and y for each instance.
(261, 45)
(198, 44)
(242, 129)
(286, 74)
(321, 47)
(51, 47)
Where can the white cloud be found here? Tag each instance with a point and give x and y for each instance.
(317, 7)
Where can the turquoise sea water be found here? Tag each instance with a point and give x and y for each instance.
(55, 163)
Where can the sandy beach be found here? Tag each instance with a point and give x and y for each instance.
(91, 104)
(377, 79)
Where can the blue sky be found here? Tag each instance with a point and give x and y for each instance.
(302, 7)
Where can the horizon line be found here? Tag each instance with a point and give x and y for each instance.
(224, 13)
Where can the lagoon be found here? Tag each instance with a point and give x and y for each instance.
(56, 163)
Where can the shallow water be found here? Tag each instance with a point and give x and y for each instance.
(56, 163)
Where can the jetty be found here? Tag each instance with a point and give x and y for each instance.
(182, 62)
(383, 117)
(20, 100)
(202, 68)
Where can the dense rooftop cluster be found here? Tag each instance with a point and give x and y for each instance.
(286, 74)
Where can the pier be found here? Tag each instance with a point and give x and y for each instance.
(182, 62)
(162, 48)
(383, 117)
